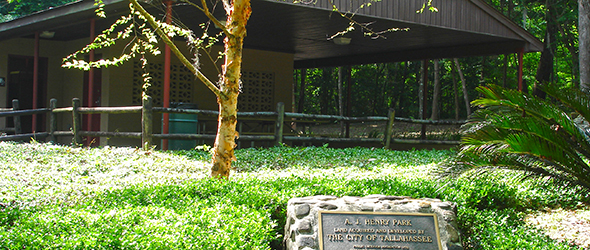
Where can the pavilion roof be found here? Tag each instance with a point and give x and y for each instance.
(460, 28)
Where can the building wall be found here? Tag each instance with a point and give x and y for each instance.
(121, 87)
(3, 73)
(51, 50)
(62, 84)
(119, 84)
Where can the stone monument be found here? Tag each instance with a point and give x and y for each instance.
(371, 222)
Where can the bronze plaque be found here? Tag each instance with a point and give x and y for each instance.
(373, 230)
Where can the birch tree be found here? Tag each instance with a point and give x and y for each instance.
(144, 30)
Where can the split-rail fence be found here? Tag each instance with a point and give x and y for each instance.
(147, 135)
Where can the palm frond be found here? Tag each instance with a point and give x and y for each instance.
(573, 98)
(565, 161)
(517, 131)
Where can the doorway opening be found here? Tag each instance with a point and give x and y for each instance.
(20, 86)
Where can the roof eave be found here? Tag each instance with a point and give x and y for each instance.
(46, 20)
(533, 43)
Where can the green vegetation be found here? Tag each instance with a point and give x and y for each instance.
(13, 9)
(58, 197)
(539, 138)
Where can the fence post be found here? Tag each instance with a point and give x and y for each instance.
(240, 125)
(76, 122)
(52, 119)
(146, 123)
(16, 119)
(279, 124)
(389, 128)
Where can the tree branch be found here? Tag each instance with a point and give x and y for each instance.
(205, 10)
(367, 31)
(176, 51)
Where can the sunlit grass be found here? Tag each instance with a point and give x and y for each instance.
(58, 197)
(45, 173)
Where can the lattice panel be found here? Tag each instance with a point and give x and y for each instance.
(181, 82)
(137, 83)
(257, 91)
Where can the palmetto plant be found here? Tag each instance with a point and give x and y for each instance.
(539, 138)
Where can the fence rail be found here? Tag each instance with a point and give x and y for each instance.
(279, 118)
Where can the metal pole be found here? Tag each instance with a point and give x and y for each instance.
(520, 62)
(35, 80)
(348, 99)
(90, 81)
(424, 96)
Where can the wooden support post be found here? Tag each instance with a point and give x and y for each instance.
(76, 122)
(16, 119)
(240, 125)
(147, 123)
(389, 128)
(279, 124)
(52, 120)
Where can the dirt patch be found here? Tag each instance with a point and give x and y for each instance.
(572, 226)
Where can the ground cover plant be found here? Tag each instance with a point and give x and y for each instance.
(59, 197)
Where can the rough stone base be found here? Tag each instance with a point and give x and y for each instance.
(302, 231)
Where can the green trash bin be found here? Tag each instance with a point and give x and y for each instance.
(183, 124)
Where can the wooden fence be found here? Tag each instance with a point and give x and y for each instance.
(147, 135)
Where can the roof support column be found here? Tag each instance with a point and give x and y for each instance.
(166, 99)
(35, 80)
(520, 62)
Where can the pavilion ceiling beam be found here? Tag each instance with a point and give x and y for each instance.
(498, 48)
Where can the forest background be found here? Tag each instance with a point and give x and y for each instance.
(375, 88)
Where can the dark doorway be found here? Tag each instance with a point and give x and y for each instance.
(95, 126)
(20, 86)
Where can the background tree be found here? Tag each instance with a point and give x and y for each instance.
(555, 22)
(547, 139)
(584, 41)
(13, 9)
